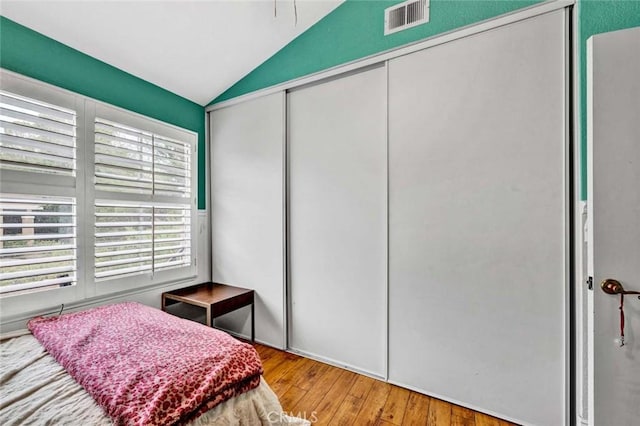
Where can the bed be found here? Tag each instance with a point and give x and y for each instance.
(129, 364)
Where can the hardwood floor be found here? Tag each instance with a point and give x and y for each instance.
(328, 395)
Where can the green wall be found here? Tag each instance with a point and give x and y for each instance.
(29, 53)
(355, 29)
(598, 16)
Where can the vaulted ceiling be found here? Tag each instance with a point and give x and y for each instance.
(194, 48)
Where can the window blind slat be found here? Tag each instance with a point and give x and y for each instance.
(173, 247)
(35, 237)
(51, 282)
(122, 234)
(38, 202)
(37, 158)
(166, 240)
(141, 145)
(118, 171)
(171, 171)
(34, 168)
(28, 132)
(37, 143)
(173, 192)
(123, 152)
(120, 130)
(36, 225)
(123, 252)
(13, 101)
(125, 261)
(123, 162)
(22, 250)
(19, 262)
(116, 273)
(171, 144)
(36, 213)
(35, 272)
(172, 179)
(110, 224)
(104, 244)
(107, 178)
(34, 121)
(182, 157)
(177, 263)
(177, 256)
(120, 214)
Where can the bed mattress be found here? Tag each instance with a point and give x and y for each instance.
(36, 390)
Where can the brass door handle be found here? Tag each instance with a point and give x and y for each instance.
(611, 286)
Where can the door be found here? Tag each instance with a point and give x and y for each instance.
(247, 211)
(614, 223)
(338, 220)
(478, 219)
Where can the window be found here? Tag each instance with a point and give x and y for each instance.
(93, 199)
(143, 204)
(38, 240)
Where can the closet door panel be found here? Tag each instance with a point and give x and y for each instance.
(247, 211)
(337, 220)
(477, 221)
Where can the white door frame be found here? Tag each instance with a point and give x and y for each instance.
(579, 356)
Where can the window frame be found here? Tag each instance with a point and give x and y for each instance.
(81, 187)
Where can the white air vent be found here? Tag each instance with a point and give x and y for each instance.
(405, 15)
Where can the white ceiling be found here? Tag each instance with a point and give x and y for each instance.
(194, 48)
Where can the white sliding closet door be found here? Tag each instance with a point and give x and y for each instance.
(478, 220)
(338, 221)
(247, 211)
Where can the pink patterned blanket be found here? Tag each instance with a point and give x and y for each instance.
(146, 367)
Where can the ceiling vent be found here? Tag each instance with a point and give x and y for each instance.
(405, 15)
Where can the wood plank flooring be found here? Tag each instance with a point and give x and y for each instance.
(328, 395)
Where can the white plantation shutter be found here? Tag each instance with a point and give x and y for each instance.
(38, 243)
(144, 201)
(132, 239)
(36, 136)
(38, 214)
